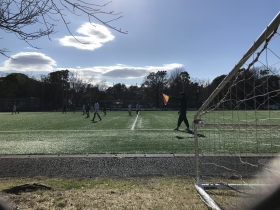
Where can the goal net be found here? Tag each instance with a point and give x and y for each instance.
(237, 129)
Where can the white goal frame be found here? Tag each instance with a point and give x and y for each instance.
(266, 34)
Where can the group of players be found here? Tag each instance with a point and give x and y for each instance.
(182, 112)
(15, 109)
(95, 108)
(138, 107)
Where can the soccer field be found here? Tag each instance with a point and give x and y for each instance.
(151, 132)
(240, 131)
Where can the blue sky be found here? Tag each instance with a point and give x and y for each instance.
(205, 37)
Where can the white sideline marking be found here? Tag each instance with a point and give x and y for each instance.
(141, 129)
(132, 128)
(22, 131)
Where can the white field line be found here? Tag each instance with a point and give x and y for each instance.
(23, 131)
(132, 128)
(116, 130)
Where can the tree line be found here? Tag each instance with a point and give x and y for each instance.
(69, 87)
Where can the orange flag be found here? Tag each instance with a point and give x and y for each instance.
(165, 98)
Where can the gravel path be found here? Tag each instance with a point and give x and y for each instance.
(124, 165)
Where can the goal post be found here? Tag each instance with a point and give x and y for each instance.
(237, 129)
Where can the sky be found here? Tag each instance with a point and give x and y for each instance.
(206, 38)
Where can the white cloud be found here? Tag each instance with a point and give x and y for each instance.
(164, 67)
(36, 64)
(29, 61)
(94, 36)
(123, 71)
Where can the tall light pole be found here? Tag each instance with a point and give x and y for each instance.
(90, 94)
(42, 95)
(113, 95)
(136, 92)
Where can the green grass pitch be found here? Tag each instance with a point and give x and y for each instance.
(73, 133)
(151, 132)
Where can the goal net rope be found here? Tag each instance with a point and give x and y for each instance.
(237, 129)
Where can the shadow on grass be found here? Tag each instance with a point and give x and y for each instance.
(26, 188)
(179, 137)
(191, 132)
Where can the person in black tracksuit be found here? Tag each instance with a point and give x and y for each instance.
(87, 109)
(64, 108)
(183, 111)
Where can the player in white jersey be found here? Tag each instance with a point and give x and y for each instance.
(129, 109)
(96, 109)
(84, 109)
(138, 107)
(14, 109)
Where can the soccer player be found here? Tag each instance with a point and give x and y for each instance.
(14, 109)
(183, 111)
(73, 107)
(84, 109)
(104, 109)
(64, 108)
(129, 109)
(137, 108)
(87, 109)
(17, 109)
(96, 109)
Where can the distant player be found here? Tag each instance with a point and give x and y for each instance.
(84, 109)
(96, 109)
(14, 109)
(64, 108)
(17, 108)
(87, 109)
(138, 107)
(104, 109)
(73, 107)
(129, 109)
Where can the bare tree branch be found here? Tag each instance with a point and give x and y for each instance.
(16, 16)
